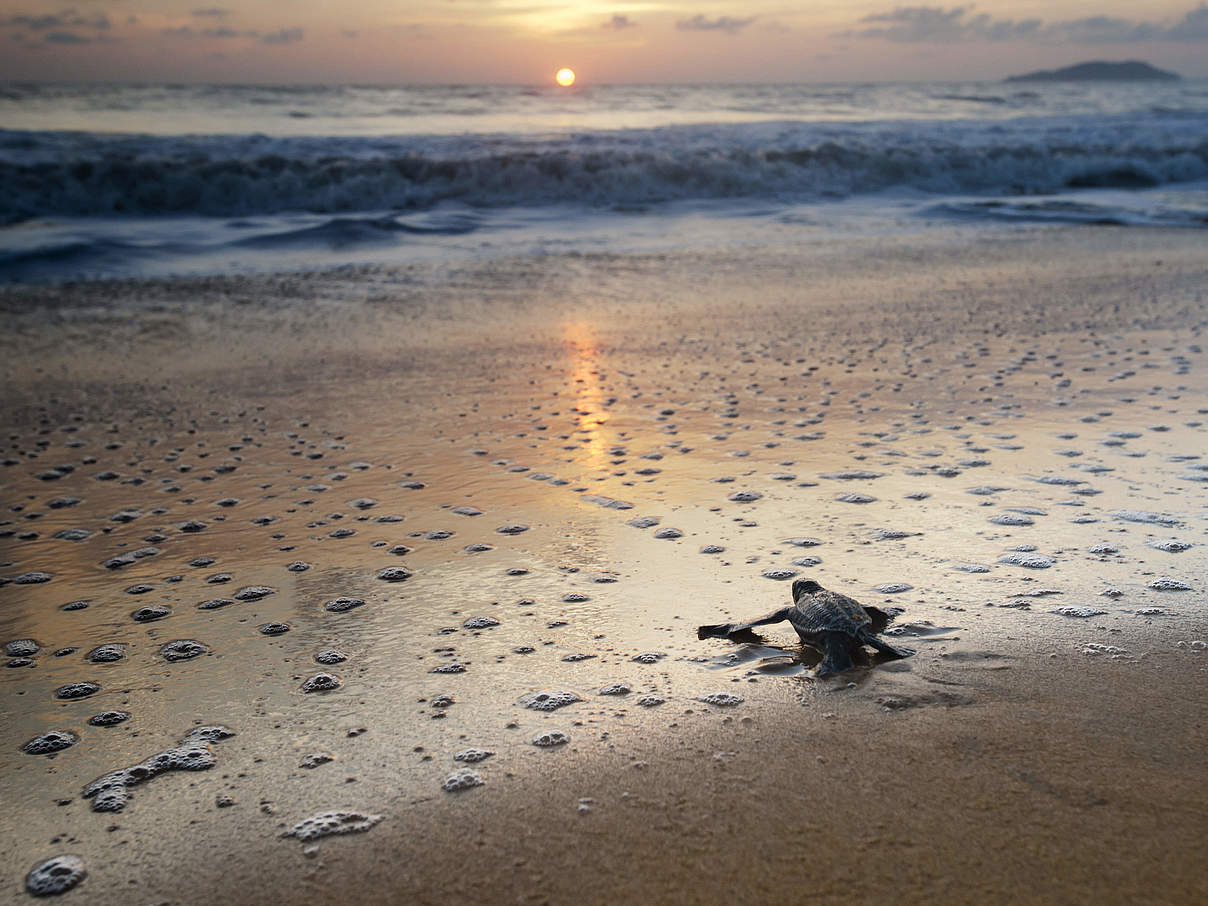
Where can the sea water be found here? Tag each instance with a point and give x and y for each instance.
(124, 180)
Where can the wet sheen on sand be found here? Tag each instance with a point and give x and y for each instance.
(501, 549)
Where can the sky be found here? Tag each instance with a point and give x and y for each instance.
(525, 41)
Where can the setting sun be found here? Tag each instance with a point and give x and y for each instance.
(565, 77)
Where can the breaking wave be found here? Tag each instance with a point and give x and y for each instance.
(47, 174)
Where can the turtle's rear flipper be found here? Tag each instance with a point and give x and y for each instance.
(885, 648)
(837, 650)
(724, 630)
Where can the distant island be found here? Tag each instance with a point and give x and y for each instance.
(1100, 71)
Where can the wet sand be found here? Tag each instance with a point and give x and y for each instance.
(541, 475)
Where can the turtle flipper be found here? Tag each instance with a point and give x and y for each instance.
(722, 630)
(880, 619)
(836, 647)
(884, 647)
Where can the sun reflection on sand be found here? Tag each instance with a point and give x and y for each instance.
(590, 403)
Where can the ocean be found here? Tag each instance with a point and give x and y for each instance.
(158, 180)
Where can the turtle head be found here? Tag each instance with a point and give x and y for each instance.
(806, 587)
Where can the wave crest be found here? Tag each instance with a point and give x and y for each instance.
(78, 174)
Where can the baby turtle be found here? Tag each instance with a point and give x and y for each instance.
(833, 623)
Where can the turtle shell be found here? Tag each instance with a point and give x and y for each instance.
(828, 611)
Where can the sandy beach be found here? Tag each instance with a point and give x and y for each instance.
(467, 484)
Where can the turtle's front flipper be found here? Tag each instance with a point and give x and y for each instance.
(884, 647)
(722, 630)
(880, 619)
(837, 649)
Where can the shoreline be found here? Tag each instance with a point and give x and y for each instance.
(995, 794)
(1000, 764)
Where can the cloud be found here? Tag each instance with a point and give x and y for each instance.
(66, 37)
(34, 23)
(729, 25)
(188, 31)
(1106, 30)
(222, 32)
(937, 24)
(913, 22)
(63, 28)
(284, 36)
(68, 18)
(619, 23)
(934, 23)
(1192, 27)
(210, 12)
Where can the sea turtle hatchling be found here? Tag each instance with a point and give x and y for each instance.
(831, 622)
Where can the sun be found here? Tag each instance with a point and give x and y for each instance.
(565, 77)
